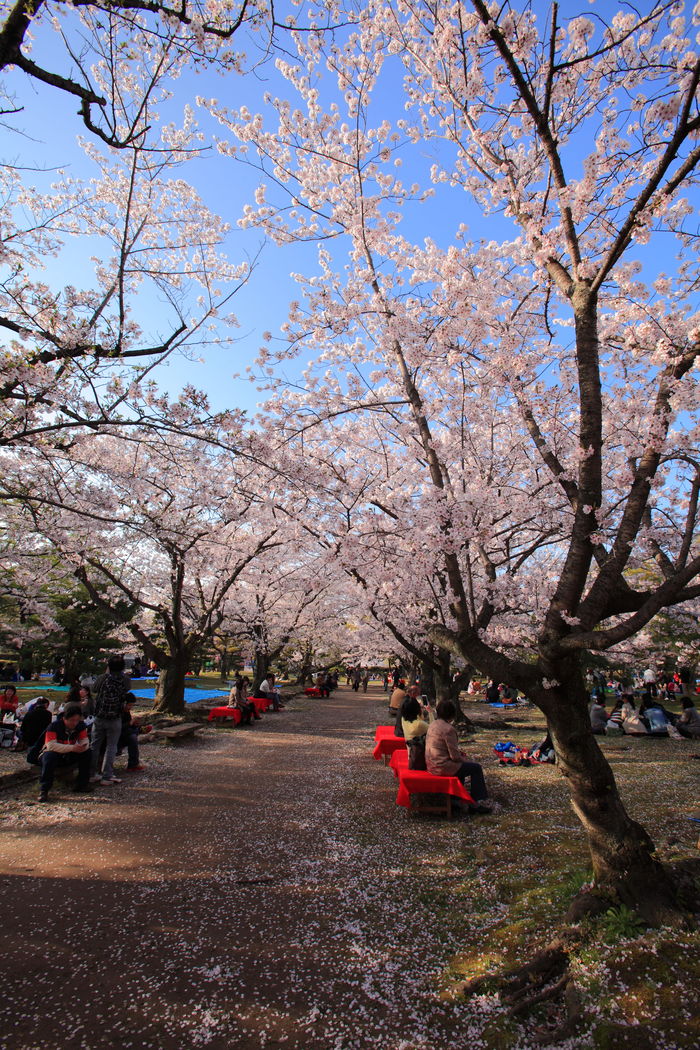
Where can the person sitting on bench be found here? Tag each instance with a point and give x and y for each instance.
(129, 737)
(267, 690)
(396, 699)
(237, 698)
(444, 759)
(414, 728)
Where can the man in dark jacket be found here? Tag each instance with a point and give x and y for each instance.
(110, 694)
(35, 722)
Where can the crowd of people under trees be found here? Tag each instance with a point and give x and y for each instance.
(86, 731)
(433, 745)
(96, 721)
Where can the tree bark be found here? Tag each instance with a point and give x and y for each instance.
(306, 666)
(625, 867)
(262, 666)
(170, 690)
(449, 687)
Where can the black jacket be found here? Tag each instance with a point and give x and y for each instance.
(35, 724)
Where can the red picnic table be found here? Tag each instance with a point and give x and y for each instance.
(417, 782)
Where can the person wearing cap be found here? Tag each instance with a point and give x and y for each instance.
(66, 744)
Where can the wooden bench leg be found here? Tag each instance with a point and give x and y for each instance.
(445, 807)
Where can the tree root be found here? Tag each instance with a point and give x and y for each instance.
(544, 978)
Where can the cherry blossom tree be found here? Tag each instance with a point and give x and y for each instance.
(149, 277)
(567, 343)
(89, 50)
(77, 357)
(290, 598)
(162, 523)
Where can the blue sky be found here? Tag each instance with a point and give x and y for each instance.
(50, 123)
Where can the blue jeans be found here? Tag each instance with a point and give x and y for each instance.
(53, 760)
(475, 773)
(107, 730)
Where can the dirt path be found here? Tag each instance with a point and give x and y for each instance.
(256, 889)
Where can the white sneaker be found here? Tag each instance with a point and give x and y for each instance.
(111, 780)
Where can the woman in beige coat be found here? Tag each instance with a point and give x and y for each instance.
(444, 759)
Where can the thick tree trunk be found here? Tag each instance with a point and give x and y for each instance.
(170, 690)
(624, 865)
(447, 687)
(427, 680)
(262, 666)
(306, 666)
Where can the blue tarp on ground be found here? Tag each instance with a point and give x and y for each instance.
(191, 695)
(148, 689)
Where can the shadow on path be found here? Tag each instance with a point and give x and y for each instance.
(256, 889)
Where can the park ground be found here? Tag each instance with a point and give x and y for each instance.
(260, 888)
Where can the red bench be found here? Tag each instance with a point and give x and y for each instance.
(386, 747)
(220, 714)
(261, 703)
(399, 761)
(414, 782)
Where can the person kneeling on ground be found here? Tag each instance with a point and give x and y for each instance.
(688, 724)
(129, 738)
(444, 759)
(66, 744)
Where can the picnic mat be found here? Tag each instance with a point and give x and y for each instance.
(191, 695)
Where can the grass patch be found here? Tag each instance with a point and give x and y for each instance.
(528, 861)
